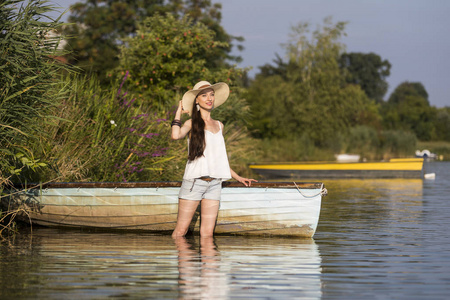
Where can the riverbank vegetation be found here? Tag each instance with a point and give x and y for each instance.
(105, 115)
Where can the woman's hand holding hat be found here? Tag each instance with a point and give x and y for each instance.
(181, 109)
(177, 120)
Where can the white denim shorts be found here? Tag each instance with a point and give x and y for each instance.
(198, 189)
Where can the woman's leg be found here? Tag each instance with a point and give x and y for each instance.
(186, 210)
(208, 217)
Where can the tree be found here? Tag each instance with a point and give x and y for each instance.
(100, 26)
(97, 28)
(203, 11)
(368, 71)
(167, 56)
(307, 94)
(30, 72)
(442, 124)
(408, 109)
(406, 89)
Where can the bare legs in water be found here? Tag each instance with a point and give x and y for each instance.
(186, 210)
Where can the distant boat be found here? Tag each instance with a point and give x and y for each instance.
(347, 157)
(394, 168)
(265, 208)
(426, 154)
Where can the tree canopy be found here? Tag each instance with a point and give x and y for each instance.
(100, 26)
(368, 71)
(97, 28)
(408, 108)
(307, 95)
(167, 56)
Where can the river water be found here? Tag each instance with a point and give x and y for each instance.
(376, 239)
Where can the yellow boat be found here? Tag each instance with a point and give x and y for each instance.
(394, 168)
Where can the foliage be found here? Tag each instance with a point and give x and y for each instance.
(8, 225)
(397, 143)
(406, 89)
(96, 28)
(203, 11)
(372, 144)
(442, 124)
(103, 135)
(99, 27)
(291, 150)
(363, 140)
(307, 94)
(408, 109)
(368, 71)
(29, 82)
(167, 56)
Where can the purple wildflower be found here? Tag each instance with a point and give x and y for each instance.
(128, 104)
(140, 116)
(123, 81)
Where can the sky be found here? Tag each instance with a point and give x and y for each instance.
(413, 35)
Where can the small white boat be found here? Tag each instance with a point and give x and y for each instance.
(348, 157)
(268, 208)
(430, 176)
(426, 154)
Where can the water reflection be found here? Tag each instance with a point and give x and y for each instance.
(87, 265)
(199, 270)
(224, 267)
(380, 239)
(369, 205)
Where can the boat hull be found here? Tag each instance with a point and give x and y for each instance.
(395, 168)
(331, 174)
(264, 209)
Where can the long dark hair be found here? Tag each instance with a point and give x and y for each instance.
(197, 136)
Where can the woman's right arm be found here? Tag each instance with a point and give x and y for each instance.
(179, 132)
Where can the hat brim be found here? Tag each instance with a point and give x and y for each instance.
(221, 93)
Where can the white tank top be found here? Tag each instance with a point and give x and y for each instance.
(214, 162)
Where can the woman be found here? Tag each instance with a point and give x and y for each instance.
(207, 164)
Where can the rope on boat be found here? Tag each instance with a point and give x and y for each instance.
(323, 192)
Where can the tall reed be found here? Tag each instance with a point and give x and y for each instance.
(29, 81)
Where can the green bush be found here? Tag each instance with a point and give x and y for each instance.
(363, 140)
(397, 143)
(291, 150)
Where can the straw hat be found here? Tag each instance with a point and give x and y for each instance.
(221, 92)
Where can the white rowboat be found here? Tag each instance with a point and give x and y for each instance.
(268, 208)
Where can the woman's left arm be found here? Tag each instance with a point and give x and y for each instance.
(243, 180)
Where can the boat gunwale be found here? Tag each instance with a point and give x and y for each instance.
(167, 184)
